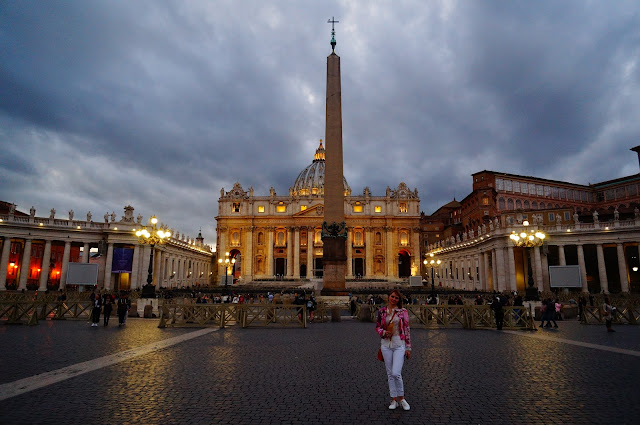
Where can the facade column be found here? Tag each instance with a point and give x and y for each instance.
(44, 268)
(583, 268)
(65, 264)
(537, 267)
(290, 249)
(602, 269)
(24, 266)
(416, 256)
(390, 257)
(4, 262)
(561, 257)
(494, 271)
(368, 250)
(134, 267)
(157, 269)
(512, 269)
(270, 251)
(247, 262)
(310, 233)
(622, 267)
(296, 253)
(85, 253)
(221, 250)
(107, 267)
(144, 267)
(349, 254)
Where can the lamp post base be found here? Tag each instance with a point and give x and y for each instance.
(531, 294)
(148, 291)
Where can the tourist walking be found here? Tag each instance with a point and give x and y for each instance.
(498, 312)
(549, 314)
(311, 306)
(124, 304)
(393, 327)
(107, 301)
(95, 313)
(608, 314)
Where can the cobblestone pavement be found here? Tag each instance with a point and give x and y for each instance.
(326, 374)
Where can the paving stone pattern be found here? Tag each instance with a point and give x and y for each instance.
(326, 374)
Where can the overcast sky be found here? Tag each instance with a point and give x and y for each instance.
(160, 104)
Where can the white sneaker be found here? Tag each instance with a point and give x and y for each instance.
(404, 404)
(393, 405)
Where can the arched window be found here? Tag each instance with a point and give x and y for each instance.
(510, 204)
(501, 204)
(260, 238)
(527, 205)
(280, 238)
(404, 238)
(541, 205)
(518, 204)
(235, 238)
(534, 205)
(378, 238)
(358, 237)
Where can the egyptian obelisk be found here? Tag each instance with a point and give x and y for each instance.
(334, 231)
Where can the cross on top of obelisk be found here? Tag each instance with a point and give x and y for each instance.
(333, 21)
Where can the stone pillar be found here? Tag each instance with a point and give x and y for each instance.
(537, 266)
(500, 269)
(583, 268)
(65, 264)
(221, 250)
(561, 257)
(296, 253)
(369, 248)
(622, 267)
(247, 261)
(144, 269)
(270, 252)
(85, 253)
(107, 267)
(349, 254)
(4, 262)
(602, 269)
(290, 249)
(546, 284)
(416, 260)
(512, 269)
(485, 274)
(157, 269)
(24, 265)
(135, 265)
(310, 235)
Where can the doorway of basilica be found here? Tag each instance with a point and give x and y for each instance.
(358, 267)
(404, 263)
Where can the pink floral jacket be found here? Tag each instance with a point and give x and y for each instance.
(403, 315)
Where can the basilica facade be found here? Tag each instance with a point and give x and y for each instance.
(279, 237)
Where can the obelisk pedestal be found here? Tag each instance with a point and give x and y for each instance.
(334, 230)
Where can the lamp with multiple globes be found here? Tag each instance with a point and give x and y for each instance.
(228, 265)
(432, 263)
(528, 238)
(152, 237)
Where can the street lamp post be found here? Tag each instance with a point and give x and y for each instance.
(228, 262)
(156, 236)
(432, 264)
(528, 238)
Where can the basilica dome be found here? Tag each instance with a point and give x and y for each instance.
(310, 181)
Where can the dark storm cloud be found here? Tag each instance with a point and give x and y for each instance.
(160, 104)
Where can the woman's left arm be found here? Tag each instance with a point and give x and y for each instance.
(407, 330)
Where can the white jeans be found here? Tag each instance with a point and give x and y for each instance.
(393, 361)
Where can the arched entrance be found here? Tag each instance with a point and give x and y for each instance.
(236, 267)
(404, 263)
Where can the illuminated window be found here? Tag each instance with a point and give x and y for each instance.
(378, 208)
(236, 207)
(485, 201)
(357, 208)
(403, 207)
(281, 208)
(303, 207)
(260, 208)
(404, 238)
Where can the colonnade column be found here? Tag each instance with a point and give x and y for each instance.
(222, 268)
(4, 262)
(583, 269)
(310, 232)
(296, 253)
(512, 269)
(369, 247)
(485, 274)
(602, 269)
(247, 265)
(85, 253)
(622, 267)
(561, 257)
(270, 252)
(107, 267)
(349, 255)
(494, 271)
(135, 266)
(157, 270)
(500, 269)
(65, 264)
(24, 266)
(546, 283)
(537, 266)
(146, 250)
(44, 268)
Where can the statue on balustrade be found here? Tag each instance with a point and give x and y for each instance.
(32, 211)
(113, 217)
(616, 215)
(89, 216)
(53, 213)
(106, 217)
(595, 216)
(70, 214)
(576, 217)
(139, 219)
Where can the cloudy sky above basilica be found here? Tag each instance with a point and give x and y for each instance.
(160, 104)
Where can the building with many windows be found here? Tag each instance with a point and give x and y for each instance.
(36, 251)
(279, 237)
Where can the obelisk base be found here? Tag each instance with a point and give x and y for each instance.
(334, 262)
